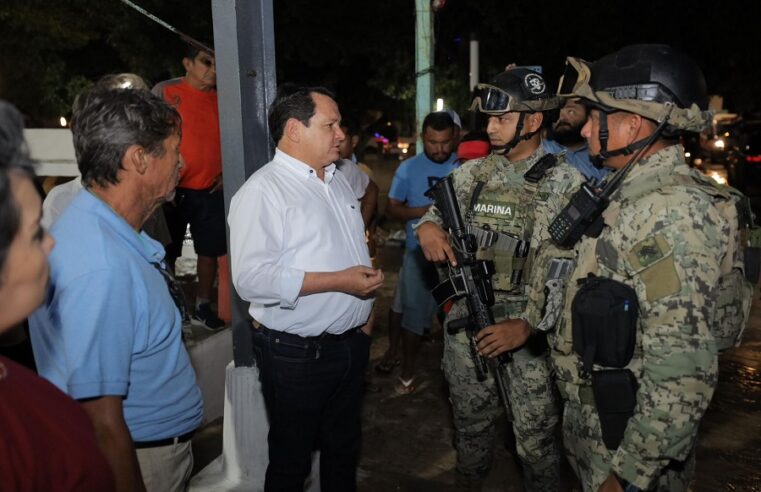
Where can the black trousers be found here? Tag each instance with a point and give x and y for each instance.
(313, 393)
(205, 212)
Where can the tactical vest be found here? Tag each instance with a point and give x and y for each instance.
(502, 220)
(734, 293)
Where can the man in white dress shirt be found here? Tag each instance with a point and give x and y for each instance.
(298, 255)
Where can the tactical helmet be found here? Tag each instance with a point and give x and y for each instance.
(516, 89)
(651, 80)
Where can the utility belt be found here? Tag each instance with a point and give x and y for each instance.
(605, 314)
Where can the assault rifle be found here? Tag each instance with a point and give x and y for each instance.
(471, 279)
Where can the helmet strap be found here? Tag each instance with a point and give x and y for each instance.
(518, 138)
(605, 154)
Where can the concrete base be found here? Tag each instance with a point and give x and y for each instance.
(209, 358)
(243, 462)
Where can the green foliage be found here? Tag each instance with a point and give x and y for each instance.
(50, 50)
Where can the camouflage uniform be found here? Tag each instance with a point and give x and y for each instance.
(665, 238)
(509, 205)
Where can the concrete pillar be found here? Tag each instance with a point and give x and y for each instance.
(243, 463)
(423, 65)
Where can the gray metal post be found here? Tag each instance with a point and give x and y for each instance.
(244, 42)
(423, 65)
(245, 50)
(474, 62)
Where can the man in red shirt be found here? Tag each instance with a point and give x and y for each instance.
(199, 200)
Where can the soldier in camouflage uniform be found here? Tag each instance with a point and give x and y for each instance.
(509, 217)
(668, 241)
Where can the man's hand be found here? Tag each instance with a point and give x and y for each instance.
(217, 184)
(506, 335)
(360, 280)
(435, 243)
(610, 485)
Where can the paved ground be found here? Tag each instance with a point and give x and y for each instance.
(407, 442)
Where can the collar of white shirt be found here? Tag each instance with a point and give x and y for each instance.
(302, 168)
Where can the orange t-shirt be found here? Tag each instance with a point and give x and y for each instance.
(200, 147)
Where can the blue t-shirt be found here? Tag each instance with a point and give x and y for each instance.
(110, 326)
(412, 179)
(579, 159)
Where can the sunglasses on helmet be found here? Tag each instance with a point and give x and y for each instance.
(575, 79)
(490, 99)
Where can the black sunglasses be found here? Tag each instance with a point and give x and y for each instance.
(174, 290)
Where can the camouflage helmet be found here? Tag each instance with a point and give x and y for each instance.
(517, 89)
(651, 80)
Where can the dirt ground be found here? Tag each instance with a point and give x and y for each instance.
(407, 439)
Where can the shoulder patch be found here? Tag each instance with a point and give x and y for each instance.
(651, 258)
(648, 251)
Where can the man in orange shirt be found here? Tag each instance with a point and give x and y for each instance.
(199, 200)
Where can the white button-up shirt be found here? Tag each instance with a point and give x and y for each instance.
(284, 222)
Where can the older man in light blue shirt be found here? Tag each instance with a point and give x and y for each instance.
(113, 336)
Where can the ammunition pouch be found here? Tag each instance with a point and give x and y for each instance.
(604, 313)
(509, 254)
(615, 393)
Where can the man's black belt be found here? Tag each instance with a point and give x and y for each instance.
(164, 442)
(333, 337)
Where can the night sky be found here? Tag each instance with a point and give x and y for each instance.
(364, 51)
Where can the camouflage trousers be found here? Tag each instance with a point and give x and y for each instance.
(590, 459)
(477, 410)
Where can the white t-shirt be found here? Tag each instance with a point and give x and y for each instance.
(58, 199)
(358, 180)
